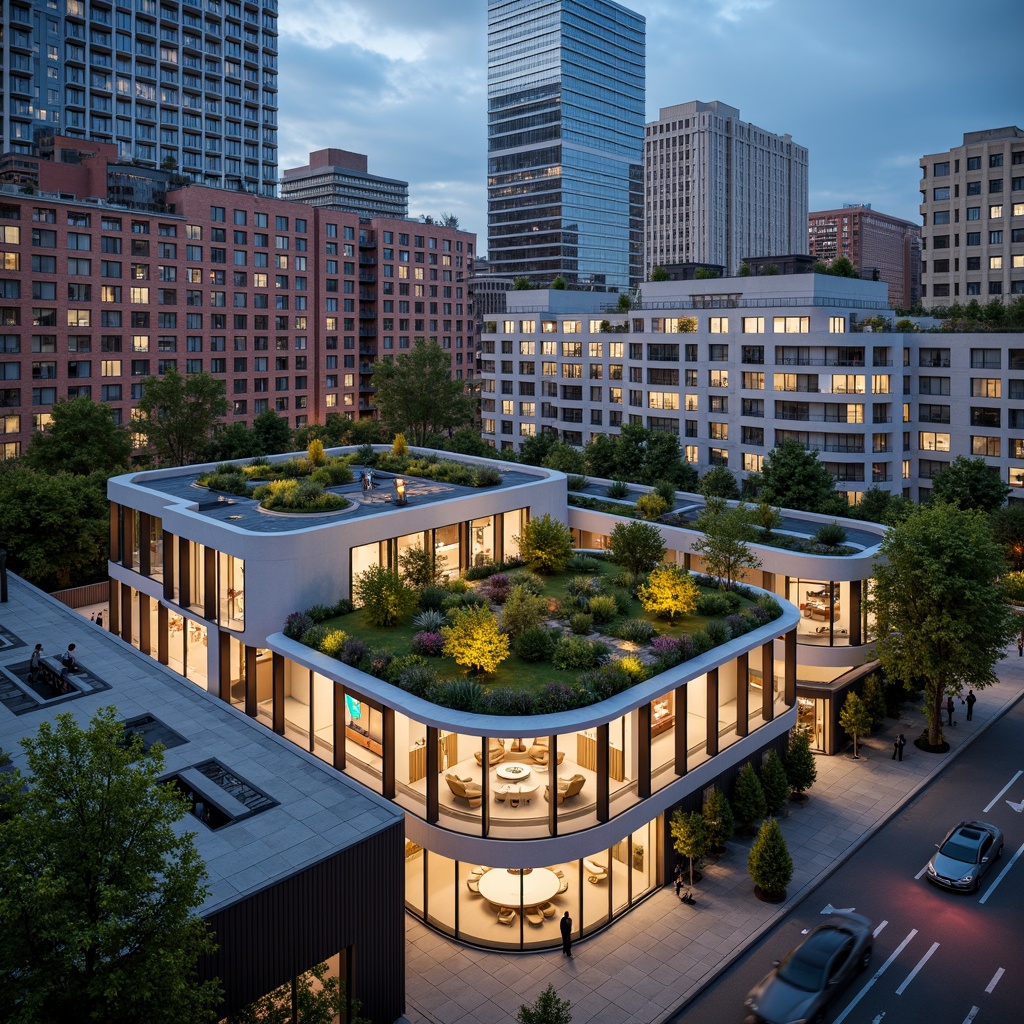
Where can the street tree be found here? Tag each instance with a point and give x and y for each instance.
(800, 767)
(726, 532)
(271, 433)
(1008, 530)
(748, 802)
(98, 890)
(718, 819)
(319, 998)
(689, 836)
(939, 613)
(81, 438)
(792, 477)
(971, 483)
(180, 414)
(774, 783)
(416, 395)
(638, 547)
(769, 861)
(547, 1009)
(669, 591)
(854, 719)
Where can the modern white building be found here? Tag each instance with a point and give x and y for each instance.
(204, 583)
(735, 366)
(717, 189)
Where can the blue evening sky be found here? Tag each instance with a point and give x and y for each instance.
(868, 86)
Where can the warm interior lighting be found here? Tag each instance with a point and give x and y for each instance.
(400, 490)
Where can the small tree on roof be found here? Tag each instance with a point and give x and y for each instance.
(546, 543)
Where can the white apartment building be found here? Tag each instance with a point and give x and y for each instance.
(717, 190)
(736, 366)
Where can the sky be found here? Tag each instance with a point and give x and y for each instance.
(868, 86)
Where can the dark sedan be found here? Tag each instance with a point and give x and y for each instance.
(963, 857)
(802, 985)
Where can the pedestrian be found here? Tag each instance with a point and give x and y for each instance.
(365, 480)
(677, 874)
(565, 926)
(34, 663)
(92, 618)
(67, 659)
(99, 619)
(971, 701)
(897, 747)
(1020, 645)
(950, 706)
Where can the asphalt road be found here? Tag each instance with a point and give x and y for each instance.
(939, 957)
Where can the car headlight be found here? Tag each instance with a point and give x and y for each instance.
(968, 877)
(931, 869)
(750, 1003)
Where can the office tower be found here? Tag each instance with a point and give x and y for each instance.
(179, 83)
(565, 102)
(972, 209)
(718, 189)
(879, 246)
(339, 180)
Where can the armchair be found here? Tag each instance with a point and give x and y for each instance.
(468, 791)
(540, 754)
(567, 788)
(495, 752)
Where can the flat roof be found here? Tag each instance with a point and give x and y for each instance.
(292, 810)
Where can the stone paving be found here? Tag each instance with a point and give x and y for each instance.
(643, 968)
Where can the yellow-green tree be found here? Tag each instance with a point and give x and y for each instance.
(474, 640)
(668, 592)
(315, 452)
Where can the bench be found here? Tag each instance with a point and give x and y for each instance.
(52, 671)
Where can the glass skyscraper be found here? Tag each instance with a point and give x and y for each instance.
(565, 128)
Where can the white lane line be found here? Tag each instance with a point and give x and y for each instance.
(1002, 874)
(995, 981)
(998, 795)
(913, 974)
(874, 977)
(921, 872)
(878, 930)
(971, 1015)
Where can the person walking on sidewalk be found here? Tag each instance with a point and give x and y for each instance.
(970, 701)
(897, 747)
(565, 926)
(1020, 645)
(950, 706)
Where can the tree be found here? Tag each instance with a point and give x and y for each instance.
(669, 591)
(719, 482)
(971, 483)
(599, 455)
(718, 819)
(81, 438)
(179, 415)
(854, 719)
(879, 506)
(726, 531)
(636, 546)
(559, 284)
(421, 567)
(98, 888)
(534, 450)
(873, 697)
(416, 396)
(320, 998)
(793, 478)
(766, 517)
(748, 802)
(939, 614)
(689, 836)
(801, 771)
(842, 266)
(271, 433)
(475, 640)
(564, 458)
(522, 284)
(774, 783)
(651, 506)
(660, 274)
(1008, 531)
(548, 1009)
(769, 862)
(383, 595)
(546, 543)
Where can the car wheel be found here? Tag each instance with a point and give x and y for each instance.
(977, 884)
(865, 959)
(999, 852)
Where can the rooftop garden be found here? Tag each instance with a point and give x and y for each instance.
(551, 631)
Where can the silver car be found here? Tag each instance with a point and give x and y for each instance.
(963, 857)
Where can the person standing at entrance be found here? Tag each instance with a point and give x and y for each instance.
(565, 925)
(949, 710)
(897, 747)
(971, 700)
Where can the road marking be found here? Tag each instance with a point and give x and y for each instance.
(878, 930)
(971, 1015)
(1002, 874)
(922, 871)
(1016, 807)
(913, 974)
(874, 977)
(878, 1019)
(829, 909)
(995, 981)
(998, 795)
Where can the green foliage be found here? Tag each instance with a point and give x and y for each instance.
(298, 496)
(706, 274)
(718, 819)
(564, 458)
(744, 270)
(474, 640)
(830, 535)
(603, 608)
(689, 836)
(421, 568)
(581, 623)
(416, 395)
(94, 863)
(384, 595)
(333, 642)
(774, 783)
(81, 438)
(1008, 531)
(1012, 586)
(660, 274)
(559, 284)
(687, 325)
(459, 694)
(625, 303)
(748, 802)
(547, 1009)
(232, 481)
(315, 452)
(577, 482)
(651, 506)
(726, 532)
(939, 615)
(879, 506)
(522, 284)
(719, 482)
(534, 450)
(971, 484)
(666, 490)
(854, 719)
(636, 631)
(576, 653)
(546, 543)
(669, 591)
(801, 771)
(765, 517)
(769, 862)
(905, 326)
(271, 434)
(618, 489)
(179, 415)
(792, 477)
(636, 546)
(320, 998)
(873, 696)
(534, 643)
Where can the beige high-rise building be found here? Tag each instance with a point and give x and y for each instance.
(972, 207)
(717, 189)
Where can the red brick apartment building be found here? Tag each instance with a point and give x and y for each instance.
(872, 241)
(288, 304)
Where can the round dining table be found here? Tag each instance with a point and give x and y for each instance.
(502, 888)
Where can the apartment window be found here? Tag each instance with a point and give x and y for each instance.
(940, 194)
(995, 238)
(930, 441)
(985, 446)
(753, 325)
(941, 169)
(995, 185)
(718, 378)
(984, 417)
(837, 324)
(718, 325)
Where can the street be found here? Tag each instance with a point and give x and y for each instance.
(940, 957)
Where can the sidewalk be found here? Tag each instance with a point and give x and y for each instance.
(643, 967)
